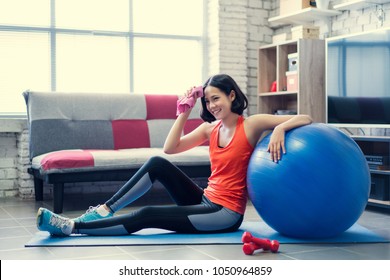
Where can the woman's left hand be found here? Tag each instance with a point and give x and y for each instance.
(276, 144)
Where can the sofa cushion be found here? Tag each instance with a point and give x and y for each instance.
(66, 161)
(67, 121)
(124, 135)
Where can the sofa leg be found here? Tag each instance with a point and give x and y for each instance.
(38, 189)
(58, 193)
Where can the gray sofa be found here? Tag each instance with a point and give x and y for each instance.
(86, 137)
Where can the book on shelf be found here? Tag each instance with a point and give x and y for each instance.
(377, 160)
(379, 167)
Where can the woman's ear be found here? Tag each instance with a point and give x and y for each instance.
(232, 95)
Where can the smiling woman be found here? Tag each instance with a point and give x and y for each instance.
(117, 47)
(221, 205)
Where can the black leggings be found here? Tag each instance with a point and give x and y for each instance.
(193, 212)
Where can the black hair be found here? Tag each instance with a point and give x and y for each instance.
(226, 84)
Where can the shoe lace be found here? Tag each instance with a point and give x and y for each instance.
(58, 221)
(91, 209)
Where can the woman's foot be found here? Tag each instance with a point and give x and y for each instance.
(94, 213)
(55, 224)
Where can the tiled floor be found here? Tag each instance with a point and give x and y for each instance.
(17, 226)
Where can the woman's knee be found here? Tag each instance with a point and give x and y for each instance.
(157, 161)
(159, 166)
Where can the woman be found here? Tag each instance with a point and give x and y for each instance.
(217, 208)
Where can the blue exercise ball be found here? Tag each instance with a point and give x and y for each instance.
(318, 189)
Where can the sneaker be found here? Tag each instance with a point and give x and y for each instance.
(91, 215)
(53, 223)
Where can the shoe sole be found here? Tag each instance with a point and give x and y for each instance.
(39, 215)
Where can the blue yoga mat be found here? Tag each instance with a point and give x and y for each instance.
(356, 234)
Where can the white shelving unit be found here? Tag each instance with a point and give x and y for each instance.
(302, 16)
(358, 4)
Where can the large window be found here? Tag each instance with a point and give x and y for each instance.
(141, 46)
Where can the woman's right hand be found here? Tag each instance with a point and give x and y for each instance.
(195, 91)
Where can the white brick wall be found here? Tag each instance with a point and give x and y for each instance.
(24, 181)
(259, 33)
(355, 21)
(8, 165)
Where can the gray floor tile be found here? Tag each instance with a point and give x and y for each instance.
(377, 251)
(175, 253)
(26, 254)
(84, 252)
(13, 232)
(17, 226)
(331, 253)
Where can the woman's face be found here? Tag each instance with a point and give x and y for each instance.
(218, 104)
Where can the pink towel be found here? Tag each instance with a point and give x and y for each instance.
(187, 102)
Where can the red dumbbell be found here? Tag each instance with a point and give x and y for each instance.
(264, 244)
(250, 248)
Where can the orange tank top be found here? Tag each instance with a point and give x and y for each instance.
(227, 182)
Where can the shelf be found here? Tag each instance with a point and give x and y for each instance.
(358, 4)
(371, 138)
(381, 203)
(380, 184)
(277, 93)
(303, 16)
(380, 172)
(283, 43)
